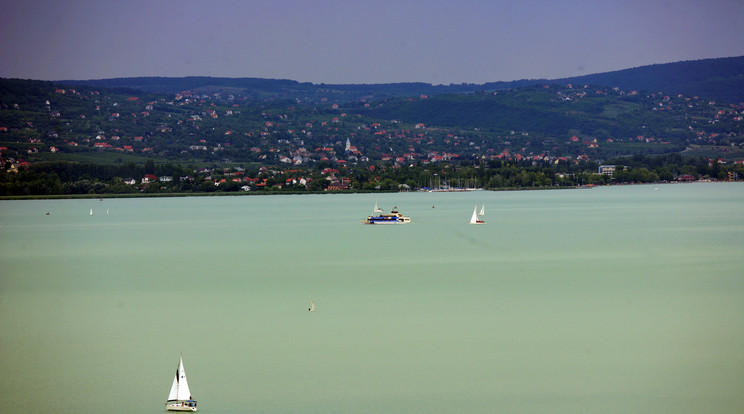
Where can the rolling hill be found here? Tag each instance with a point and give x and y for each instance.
(718, 79)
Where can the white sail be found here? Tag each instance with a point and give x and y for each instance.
(180, 388)
(483, 210)
(173, 395)
(377, 209)
(474, 218)
(91, 212)
(312, 305)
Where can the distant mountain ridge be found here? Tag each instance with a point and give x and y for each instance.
(718, 79)
(721, 78)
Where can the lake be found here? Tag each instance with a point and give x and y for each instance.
(610, 300)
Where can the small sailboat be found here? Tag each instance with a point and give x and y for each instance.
(377, 209)
(107, 211)
(474, 218)
(483, 210)
(312, 305)
(91, 212)
(179, 398)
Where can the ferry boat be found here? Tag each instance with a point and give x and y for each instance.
(394, 217)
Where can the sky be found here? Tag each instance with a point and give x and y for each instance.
(364, 41)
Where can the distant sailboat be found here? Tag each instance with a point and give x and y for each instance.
(483, 210)
(91, 212)
(474, 218)
(312, 305)
(377, 209)
(107, 211)
(179, 398)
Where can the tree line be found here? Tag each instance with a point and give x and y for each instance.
(71, 178)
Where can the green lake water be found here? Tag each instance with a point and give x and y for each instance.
(625, 299)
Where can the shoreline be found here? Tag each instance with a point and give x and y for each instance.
(271, 193)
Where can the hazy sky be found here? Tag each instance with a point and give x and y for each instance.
(365, 41)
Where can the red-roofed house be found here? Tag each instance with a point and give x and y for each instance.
(149, 178)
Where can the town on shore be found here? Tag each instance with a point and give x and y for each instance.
(61, 141)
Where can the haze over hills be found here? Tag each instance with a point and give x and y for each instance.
(718, 79)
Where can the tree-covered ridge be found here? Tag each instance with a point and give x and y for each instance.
(717, 79)
(609, 115)
(260, 90)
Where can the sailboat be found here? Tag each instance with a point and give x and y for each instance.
(474, 218)
(483, 210)
(179, 398)
(91, 212)
(377, 209)
(312, 305)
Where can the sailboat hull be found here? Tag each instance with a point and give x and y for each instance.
(181, 405)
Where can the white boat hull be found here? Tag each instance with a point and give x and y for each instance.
(180, 406)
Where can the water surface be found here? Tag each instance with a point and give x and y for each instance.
(612, 300)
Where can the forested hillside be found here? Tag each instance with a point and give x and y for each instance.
(721, 79)
(57, 139)
(718, 79)
(555, 111)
